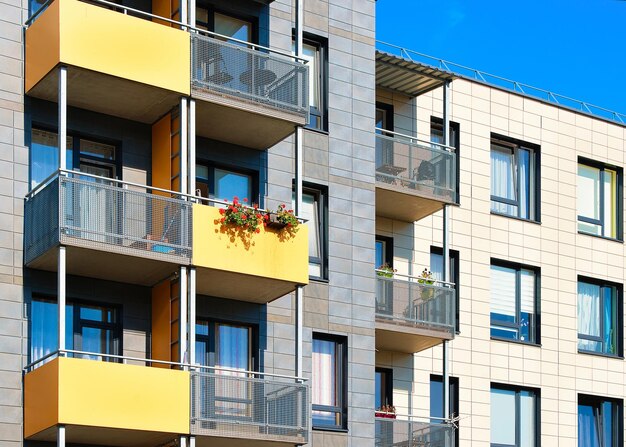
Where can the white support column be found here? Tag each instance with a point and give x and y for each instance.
(61, 436)
(191, 143)
(183, 441)
(62, 103)
(298, 187)
(192, 315)
(446, 260)
(182, 317)
(61, 299)
(184, 147)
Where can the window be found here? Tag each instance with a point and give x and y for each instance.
(384, 251)
(514, 300)
(436, 136)
(384, 117)
(329, 377)
(315, 211)
(599, 422)
(384, 388)
(89, 327)
(436, 401)
(240, 28)
(226, 183)
(514, 178)
(436, 268)
(599, 317)
(514, 417)
(86, 155)
(314, 51)
(599, 199)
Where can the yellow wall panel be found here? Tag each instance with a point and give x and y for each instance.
(268, 255)
(41, 398)
(42, 46)
(160, 339)
(161, 153)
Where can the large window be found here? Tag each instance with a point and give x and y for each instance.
(514, 417)
(599, 199)
(514, 178)
(436, 268)
(599, 317)
(436, 136)
(599, 422)
(315, 211)
(514, 313)
(436, 401)
(314, 51)
(329, 381)
(89, 327)
(225, 183)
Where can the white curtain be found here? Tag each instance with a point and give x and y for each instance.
(588, 314)
(502, 179)
(610, 202)
(324, 386)
(524, 184)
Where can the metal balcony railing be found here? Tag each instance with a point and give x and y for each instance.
(418, 167)
(95, 212)
(243, 404)
(414, 301)
(256, 75)
(406, 432)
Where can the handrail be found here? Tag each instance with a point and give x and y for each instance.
(126, 9)
(410, 278)
(63, 352)
(442, 147)
(412, 417)
(519, 87)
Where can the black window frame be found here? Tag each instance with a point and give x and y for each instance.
(341, 379)
(320, 193)
(515, 145)
(211, 339)
(387, 390)
(318, 114)
(619, 208)
(518, 390)
(453, 401)
(619, 293)
(212, 166)
(518, 267)
(618, 416)
(212, 10)
(455, 264)
(436, 123)
(388, 253)
(389, 113)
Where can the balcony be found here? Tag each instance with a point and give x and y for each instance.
(413, 314)
(405, 431)
(111, 229)
(117, 64)
(247, 267)
(228, 407)
(414, 179)
(115, 403)
(254, 97)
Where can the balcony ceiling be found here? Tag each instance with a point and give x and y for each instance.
(408, 77)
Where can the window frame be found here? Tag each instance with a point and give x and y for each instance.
(341, 380)
(212, 166)
(518, 303)
(514, 146)
(212, 340)
(320, 194)
(212, 10)
(318, 114)
(518, 389)
(617, 417)
(454, 401)
(619, 291)
(387, 390)
(389, 115)
(388, 250)
(436, 123)
(455, 263)
(619, 226)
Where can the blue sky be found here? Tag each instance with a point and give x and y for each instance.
(576, 48)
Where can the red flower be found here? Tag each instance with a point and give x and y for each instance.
(222, 220)
(222, 211)
(258, 230)
(258, 216)
(244, 217)
(245, 200)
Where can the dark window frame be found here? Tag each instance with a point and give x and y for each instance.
(455, 141)
(389, 110)
(212, 10)
(617, 416)
(518, 389)
(514, 145)
(211, 338)
(455, 263)
(320, 193)
(341, 379)
(454, 401)
(388, 255)
(619, 208)
(388, 388)
(212, 166)
(537, 316)
(318, 114)
(619, 293)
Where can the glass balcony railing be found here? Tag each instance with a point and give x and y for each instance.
(407, 432)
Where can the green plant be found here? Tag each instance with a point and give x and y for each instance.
(242, 216)
(284, 217)
(426, 277)
(386, 271)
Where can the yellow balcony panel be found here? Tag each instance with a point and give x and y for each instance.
(258, 268)
(107, 403)
(117, 64)
(413, 179)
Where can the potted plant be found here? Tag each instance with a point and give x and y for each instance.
(386, 271)
(386, 411)
(426, 278)
(238, 215)
(281, 219)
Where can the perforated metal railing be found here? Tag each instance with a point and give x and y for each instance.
(404, 431)
(249, 405)
(414, 301)
(104, 214)
(252, 75)
(419, 167)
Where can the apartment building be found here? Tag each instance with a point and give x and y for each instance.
(456, 277)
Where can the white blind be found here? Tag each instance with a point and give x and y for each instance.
(588, 192)
(528, 291)
(502, 290)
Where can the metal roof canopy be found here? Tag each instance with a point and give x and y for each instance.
(408, 77)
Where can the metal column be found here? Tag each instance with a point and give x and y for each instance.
(61, 267)
(191, 152)
(192, 315)
(182, 318)
(446, 260)
(62, 103)
(298, 187)
(61, 436)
